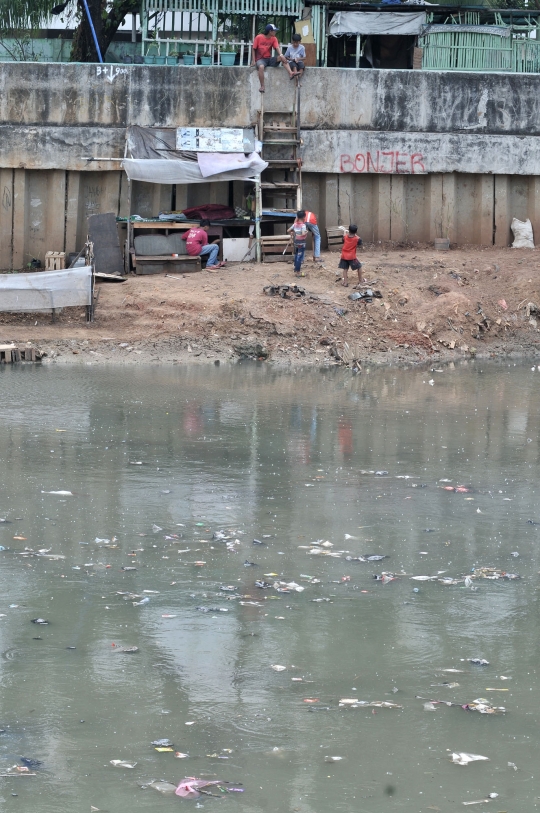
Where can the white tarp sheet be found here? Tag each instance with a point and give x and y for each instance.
(215, 163)
(46, 290)
(154, 170)
(377, 22)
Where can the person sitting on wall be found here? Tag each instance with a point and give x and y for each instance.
(262, 58)
(198, 246)
(294, 55)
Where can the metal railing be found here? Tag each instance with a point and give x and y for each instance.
(199, 47)
(252, 7)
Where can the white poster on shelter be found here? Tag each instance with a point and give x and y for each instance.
(210, 139)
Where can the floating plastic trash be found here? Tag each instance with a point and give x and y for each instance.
(461, 758)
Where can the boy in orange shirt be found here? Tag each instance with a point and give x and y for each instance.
(348, 255)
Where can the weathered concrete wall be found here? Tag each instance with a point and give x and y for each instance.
(407, 155)
(405, 208)
(332, 98)
(469, 209)
(54, 116)
(360, 152)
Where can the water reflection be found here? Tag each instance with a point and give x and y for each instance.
(285, 459)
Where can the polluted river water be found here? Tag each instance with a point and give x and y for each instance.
(130, 502)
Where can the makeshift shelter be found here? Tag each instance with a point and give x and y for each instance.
(384, 39)
(187, 156)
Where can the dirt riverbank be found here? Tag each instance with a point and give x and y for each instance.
(434, 305)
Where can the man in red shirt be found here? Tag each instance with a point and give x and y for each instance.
(198, 246)
(310, 219)
(262, 52)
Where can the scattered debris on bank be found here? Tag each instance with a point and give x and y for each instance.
(420, 305)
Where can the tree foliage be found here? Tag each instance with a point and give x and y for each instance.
(107, 16)
(24, 14)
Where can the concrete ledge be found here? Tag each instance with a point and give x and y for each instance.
(359, 152)
(332, 98)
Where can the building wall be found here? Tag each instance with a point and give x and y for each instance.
(407, 155)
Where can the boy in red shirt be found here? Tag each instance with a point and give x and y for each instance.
(262, 53)
(348, 255)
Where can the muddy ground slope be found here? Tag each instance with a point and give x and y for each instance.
(434, 305)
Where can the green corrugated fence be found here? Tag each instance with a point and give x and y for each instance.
(467, 51)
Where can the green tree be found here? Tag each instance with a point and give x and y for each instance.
(107, 16)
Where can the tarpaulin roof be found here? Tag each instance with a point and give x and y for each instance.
(369, 22)
(155, 159)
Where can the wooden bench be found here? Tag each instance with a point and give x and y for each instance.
(153, 254)
(159, 263)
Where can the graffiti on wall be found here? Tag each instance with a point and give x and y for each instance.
(390, 162)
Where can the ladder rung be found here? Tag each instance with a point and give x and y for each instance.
(279, 185)
(281, 163)
(283, 211)
(288, 129)
(281, 141)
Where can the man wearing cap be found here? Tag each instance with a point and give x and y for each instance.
(262, 52)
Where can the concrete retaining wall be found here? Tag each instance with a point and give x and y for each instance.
(408, 155)
(468, 208)
(55, 115)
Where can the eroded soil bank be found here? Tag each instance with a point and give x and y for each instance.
(434, 305)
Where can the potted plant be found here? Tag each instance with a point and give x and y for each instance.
(152, 50)
(227, 55)
(160, 60)
(189, 58)
(207, 59)
(172, 57)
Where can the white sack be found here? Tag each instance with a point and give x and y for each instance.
(523, 233)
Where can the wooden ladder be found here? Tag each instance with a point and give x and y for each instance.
(280, 188)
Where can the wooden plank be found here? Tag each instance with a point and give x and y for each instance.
(164, 224)
(277, 258)
(311, 54)
(6, 218)
(165, 258)
(103, 234)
